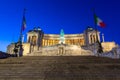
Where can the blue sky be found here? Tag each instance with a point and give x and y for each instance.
(73, 16)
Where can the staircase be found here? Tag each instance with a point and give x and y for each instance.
(59, 68)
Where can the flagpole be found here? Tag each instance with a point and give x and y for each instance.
(20, 39)
(99, 46)
(95, 25)
(20, 53)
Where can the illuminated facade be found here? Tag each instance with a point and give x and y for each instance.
(41, 44)
(39, 38)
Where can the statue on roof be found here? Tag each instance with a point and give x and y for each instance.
(62, 38)
(62, 33)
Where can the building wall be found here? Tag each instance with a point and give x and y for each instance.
(32, 37)
(50, 39)
(70, 39)
(26, 47)
(36, 39)
(91, 36)
(10, 48)
(108, 46)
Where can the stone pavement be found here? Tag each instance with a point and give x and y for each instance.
(59, 68)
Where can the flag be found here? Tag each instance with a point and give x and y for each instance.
(99, 22)
(23, 23)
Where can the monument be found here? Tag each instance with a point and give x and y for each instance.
(41, 44)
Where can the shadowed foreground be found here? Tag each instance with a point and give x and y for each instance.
(59, 68)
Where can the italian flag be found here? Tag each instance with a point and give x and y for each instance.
(99, 22)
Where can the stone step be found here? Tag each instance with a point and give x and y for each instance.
(59, 68)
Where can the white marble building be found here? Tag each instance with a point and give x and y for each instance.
(41, 44)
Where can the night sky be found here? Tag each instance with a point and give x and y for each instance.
(73, 16)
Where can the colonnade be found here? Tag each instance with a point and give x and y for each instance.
(75, 41)
(32, 39)
(93, 38)
(49, 42)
